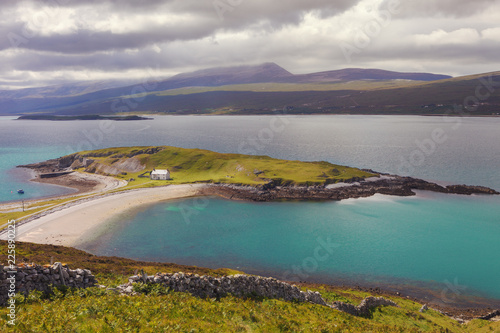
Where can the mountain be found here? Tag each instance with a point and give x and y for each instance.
(353, 74)
(258, 90)
(267, 72)
(63, 90)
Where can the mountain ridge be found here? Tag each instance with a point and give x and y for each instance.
(259, 89)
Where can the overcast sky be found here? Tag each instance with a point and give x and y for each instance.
(48, 42)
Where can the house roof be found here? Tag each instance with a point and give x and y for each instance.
(159, 172)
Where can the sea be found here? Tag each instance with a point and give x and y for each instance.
(446, 245)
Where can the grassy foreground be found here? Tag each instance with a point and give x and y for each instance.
(204, 166)
(98, 310)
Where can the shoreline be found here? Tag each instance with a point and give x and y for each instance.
(70, 224)
(76, 183)
(67, 224)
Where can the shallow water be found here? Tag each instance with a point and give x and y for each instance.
(470, 154)
(434, 238)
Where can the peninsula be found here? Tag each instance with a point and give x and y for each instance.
(236, 176)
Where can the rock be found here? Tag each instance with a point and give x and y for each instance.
(355, 188)
(29, 278)
(423, 308)
(363, 309)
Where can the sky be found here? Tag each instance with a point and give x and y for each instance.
(45, 42)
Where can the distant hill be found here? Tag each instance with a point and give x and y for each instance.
(258, 90)
(353, 74)
(62, 90)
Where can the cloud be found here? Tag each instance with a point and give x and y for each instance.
(134, 24)
(61, 39)
(492, 34)
(447, 8)
(466, 36)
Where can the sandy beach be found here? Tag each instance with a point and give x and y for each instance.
(68, 225)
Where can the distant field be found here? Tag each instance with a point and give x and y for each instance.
(287, 87)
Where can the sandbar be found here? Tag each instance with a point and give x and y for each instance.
(67, 226)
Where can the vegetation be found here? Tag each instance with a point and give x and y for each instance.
(203, 166)
(194, 166)
(159, 310)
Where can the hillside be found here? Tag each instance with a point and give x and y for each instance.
(160, 310)
(248, 90)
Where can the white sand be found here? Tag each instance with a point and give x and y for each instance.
(67, 226)
(106, 184)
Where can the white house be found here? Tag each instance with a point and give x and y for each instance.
(160, 174)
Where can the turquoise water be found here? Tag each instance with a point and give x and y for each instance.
(433, 238)
(470, 153)
(449, 242)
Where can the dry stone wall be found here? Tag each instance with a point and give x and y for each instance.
(249, 286)
(34, 277)
(237, 285)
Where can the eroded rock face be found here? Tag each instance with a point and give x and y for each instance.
(34, 277)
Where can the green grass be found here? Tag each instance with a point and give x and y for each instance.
(98, 310)
(189, 166)
(203, 166)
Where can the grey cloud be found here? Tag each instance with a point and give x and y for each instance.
(430, 8)
(87, 41)
(206, 18)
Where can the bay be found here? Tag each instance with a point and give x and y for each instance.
(438, 239)
(445, 239)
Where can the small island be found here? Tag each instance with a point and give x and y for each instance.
(81, 117)
(235, 176)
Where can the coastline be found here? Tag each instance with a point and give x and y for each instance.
(67, 224)
(100, 204)
(72, 223)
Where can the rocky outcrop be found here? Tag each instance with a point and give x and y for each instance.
(491, 315)
(26, 278)
(393, 185)
(363, 309)
(468, 189)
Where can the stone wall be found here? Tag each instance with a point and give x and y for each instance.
(33, 277)
(237, 285)
(249, 286)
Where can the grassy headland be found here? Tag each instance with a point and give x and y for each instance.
(188, 166)
(203, 166)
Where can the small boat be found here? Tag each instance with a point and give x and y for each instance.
(20, 191)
